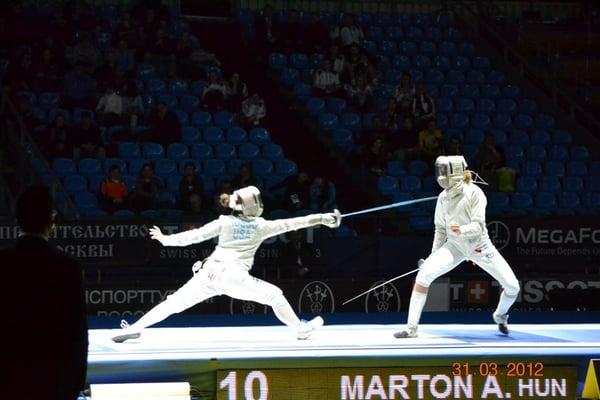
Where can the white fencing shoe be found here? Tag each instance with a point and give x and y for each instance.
(308, 327)
(127, 333)
(501, 320)
(409, 332)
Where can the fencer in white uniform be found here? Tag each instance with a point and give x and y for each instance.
(460, 234)
(226, 270)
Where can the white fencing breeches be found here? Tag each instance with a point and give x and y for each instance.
(214, 279)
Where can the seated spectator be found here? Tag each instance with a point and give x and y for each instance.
(266, 35)
(297, 191)
(237, 91)
(160, 52)
(315, 37)
(391, 116)
(254, 110)
(489, 160)
(377, 130)
(350, 33)
(361, 94)
(431, 142)
(86, 53)
(245, 178)
(326, 81)
(454, 148)
(59, 141)
(408, 146)
(297, 257)
(404, 94)
(87, 139)
(165, 127)
(375, 159)
(191, 184)
(352, 62)
(322, 195)
(79, 88)
(133, 107)
(215, 93)
(364, 69)
(124, 56)
(423, 106)
(147, 190)
(195, 208)
(113, 192)
(337, 61)
(110, 107)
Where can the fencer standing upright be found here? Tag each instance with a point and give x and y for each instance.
(460, 234)
(226, 270)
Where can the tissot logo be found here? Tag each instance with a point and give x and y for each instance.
(499, 234)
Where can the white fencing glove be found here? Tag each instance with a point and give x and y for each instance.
(156, 234)
(197, 267)
(332, 220)
(420, 262)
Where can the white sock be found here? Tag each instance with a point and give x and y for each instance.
(504, 303)
(285, 313)
(417, 302)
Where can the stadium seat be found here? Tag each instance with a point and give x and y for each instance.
(177, 151)
(201, 151)
(213, 135)
(156, 87)
(449, 91)
(521, 201)
(562, 138)
(455, 77)
(474, 136)
(129, 150)
(498, 201)
(448, 49)
(63, 167)
(549, 184)
(197, 166)
(236, 135)
(569, 201)
(233, 166)
(528, 106)
(249, 151)
(315, 106)
(540, 137)
(178, 88)
(262, 167)
(544, 121)
(554, 168)
(511, 91)
(75, 184)
(223, 119)
(129, 181)
(146, 71)
(594, 167)
(460, 63)
(536, 153)
(480, 122)
(165, 167)
(152, 151)
(500, 137)
(430, 184)
(150, 213)
(395, 168)
(197, 88)
(190, 135)
(445, 105)
(579, 153)
(428, 48)
(286, 168)
(523, 121)
(545, 202)
(481, 63)
(272, 151)
(459, 121)
(408, 47)
(502, 121)
(526, 184)
(507, 106)
(576, 168)
(135, 165)
(421, 62)
(225, 151)
(464, 105)
(189, 103)
(410, 184)
(470, 91)
(277, 60)
(89, 167)
(201, 119)
(123, 214)
(336, 105)
(387, 185)
(514, 152)
(532, 168)
(168, 100)
(351, 121)
(558, 153)
(441, 63)
(593, 183)
(328, 121)
(591, 203)
(48, 100)
(572, 184)
(489, 91)
(94, 213)
(417, 168)
(214, 168)
(475, 77)
(302, 90)
(496, 78)
(486, 106)
(289, 76)
(86, 201)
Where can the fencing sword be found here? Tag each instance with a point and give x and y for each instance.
(398, 204)
(421, 261)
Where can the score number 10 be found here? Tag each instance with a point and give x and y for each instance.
(229, 383)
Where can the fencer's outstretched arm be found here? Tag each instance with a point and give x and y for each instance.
(439, 235)
(279, 226)
(477, 212)
(208, 231)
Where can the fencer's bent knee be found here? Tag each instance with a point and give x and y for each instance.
(511, 288)
(424, 279)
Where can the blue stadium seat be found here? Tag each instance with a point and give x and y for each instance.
(351, 121)
(302, 90)
(449, 91)
(428, 48)
(489, 91)
(177, 151)
(461, 63)
(528, 106)
(502, 121)
(514, 152)
(421, 62)
(526, 184)
(152, 151)
(481, 63)
(262, 167)
(434, 77)
(481, 122)
(136, 165)
(259, 136)
(299, 61)
(544, 121)
(236, 135)
(286, 168)
(559, 153)
(272, 151)
(223, 119)
(165, 167)
(459, 121)
(572, 184)
(401, 62)
(536, 153)
(549, 184)
(554, 168)
(129, 181)
(214, 168)
(29, 96)
(168, 100)
(277, 60)
(225, 151)
(289, 76)
(532, 168)
(496, 78)
(545, 202)
(190, 135)
(89, 167)
(487, 106)
(455, 77)
(445, 105)
(430, 184)
(576, 168)
(523, 121)
(150, 214)
(189, 103)
(213, 135)
(508, 106)
(48, 100)
(342, 138)
(173, 182)
(441, 63)
(233, 166)
(63, 167)
(521, 201)
(146, 71)
(511, 91)
(417, 168)
(197, 88)
(591, 203)
(86, 201)
(448, 49)
(410, 184)
(594, 167)
(328, 121)
(156, 87)
(94, 213)
(336, 105)
(201, 151)
(500, 137)
(388, 48)
(540, 137)
(395, 168)
(129, 150)
(201, 119)
(167, 199)
(579, 153)
(387, 185)
(474, 136)
(561, 137)
(178, 88)
(414, 33)
(498, 203)
(393, 33)
(374, 33)
(315, 106)
(569, 201)
(593, 183)
(464, 105)
(249, 151)
(75, 184)
(149, 103)
(197, 166)
(79, 112)
(475, 77)
(408, 47)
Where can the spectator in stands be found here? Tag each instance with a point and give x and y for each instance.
(297, 257)
(147, 190)
(191, 184)
(350, 33)
(133, 107)
(85, 53)
(322, 195)
(127, 31)
(254, 110)
(374, 161)
(364, 69)
(87, 139)
(110, 107)
(113, 192)
(489, 160)
(454, 147)
(337, 60)
(59, 139)
(46, 73)
(159, 52)
(431, 142)
(408, 148)
(404, 94)
(196, 209)
(377, 130)
(297, 191)
(423, 106)
(360, 93)
(57, 358)
(265, 30)
(245, 178)
(391, 116)
(124, 56)
(316, 37)
(289, 33)
(215, 92)
(237, 91)
(79, 88)
(326, 81)
(352, 62)
(165, 127)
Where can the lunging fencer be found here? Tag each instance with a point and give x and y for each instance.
(460, 234)
(226, 270)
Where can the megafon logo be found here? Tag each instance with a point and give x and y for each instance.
(499, 234)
